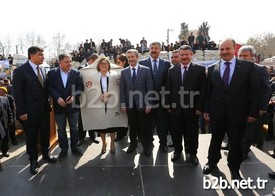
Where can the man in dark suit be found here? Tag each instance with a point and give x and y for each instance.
(32, 106)
(82, 133)
(254, 131)
(159, 69)
(65, 87)
(186, 84)
(6, 119)
(232, 101)
(135, 87)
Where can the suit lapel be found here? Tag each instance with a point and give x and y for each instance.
(236, 73)
(59, 78)
(160, 68)
(139, 72)
(217, 73)
(30, 70)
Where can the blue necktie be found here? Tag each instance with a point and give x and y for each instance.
(184, 74)
(225, 76)
(155, 68)
(134, 75)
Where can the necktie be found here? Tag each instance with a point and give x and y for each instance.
(134, 75)
(225, 76)
(39, 76)
(184, 74)
(155, 67)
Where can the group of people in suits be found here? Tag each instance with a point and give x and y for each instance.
(151, 91)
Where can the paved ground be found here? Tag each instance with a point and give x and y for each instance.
(128, 174)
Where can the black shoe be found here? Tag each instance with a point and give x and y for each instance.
(34, 167)
(80, 142)
(194, 159)
(14, 142)
(171, 144)
(62, 155)
(163, 148)
(77, 152)
(208, 168)
(271, 175)
(235, 175)
(175, 156)
(50, 158)
(95, 141)
(273, 156)
(146, 152)
(131, 148)
(6, 154)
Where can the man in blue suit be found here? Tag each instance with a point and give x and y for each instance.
(32, 106)
(65, 87)
(135, 87)
(159, 69)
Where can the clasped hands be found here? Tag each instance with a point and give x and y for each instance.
(67, 101)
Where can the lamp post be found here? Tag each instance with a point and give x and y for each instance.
(168, 35)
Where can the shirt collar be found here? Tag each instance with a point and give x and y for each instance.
(34, 66)
(188, 65)
(131, 67)
(232, 61)
(107, 74)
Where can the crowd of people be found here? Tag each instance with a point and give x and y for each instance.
(235, 97)
(200, 42)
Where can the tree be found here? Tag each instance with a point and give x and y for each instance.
(204, 27)
(183, 31)
(31, 39)
(59, 44)
(264, 44)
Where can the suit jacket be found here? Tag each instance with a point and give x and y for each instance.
(160, 80)
(29, 95)
(6, 115)
(74, 87)
(194, 84)
(143, 84)
(264, 86)
(240, 99)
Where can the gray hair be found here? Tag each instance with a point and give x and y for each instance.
(247, 48)
(132, 51)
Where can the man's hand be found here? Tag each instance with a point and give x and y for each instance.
(147, 110)
(250, 119)
(124, 110)
(69, 100)
(198, 112)
(206, 117)
(23, 117)
(61, 102)
(261, 112)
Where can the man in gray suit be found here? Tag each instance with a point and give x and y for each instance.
(135, 87)
(159, 70)
(232, 101)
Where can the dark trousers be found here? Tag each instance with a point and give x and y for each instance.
(185, 125)
(82, 132)
(37, 126)
(140, 127)
(235, 135)
(160, 118)
(12, 131)
(121, 132)
(5, 144)
(254, 134)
